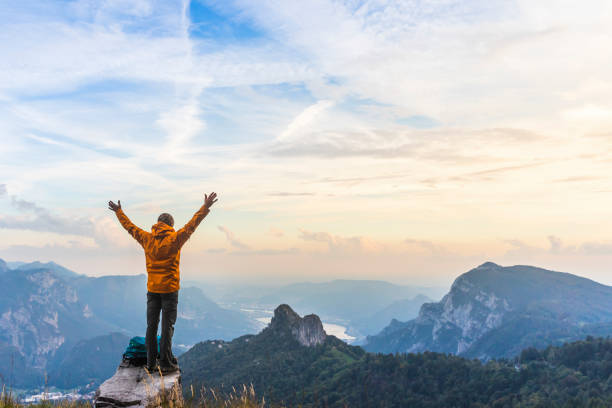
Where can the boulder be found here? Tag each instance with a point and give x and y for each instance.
(134, 387)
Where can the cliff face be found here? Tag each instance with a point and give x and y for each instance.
(308, 331)
(467, 310)
(491, 311)
(39, 312)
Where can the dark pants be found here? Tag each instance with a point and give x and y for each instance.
(167, 304)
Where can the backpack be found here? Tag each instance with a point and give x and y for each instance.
(136, 351)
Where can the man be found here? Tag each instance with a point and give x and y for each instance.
(162, 248)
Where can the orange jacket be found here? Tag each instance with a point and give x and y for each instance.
(162, 248)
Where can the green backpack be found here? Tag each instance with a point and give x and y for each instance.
(136, 351)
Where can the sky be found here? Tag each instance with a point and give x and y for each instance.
(407, 141)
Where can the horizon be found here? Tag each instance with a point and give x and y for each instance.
(438, 290)
(402, 142)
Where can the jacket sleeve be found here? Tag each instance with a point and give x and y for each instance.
(138, 234)
(184, 233)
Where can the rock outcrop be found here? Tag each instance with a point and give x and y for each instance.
(308, 331)
(134, 387)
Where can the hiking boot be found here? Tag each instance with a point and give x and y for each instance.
(152, 370)
(169, 369)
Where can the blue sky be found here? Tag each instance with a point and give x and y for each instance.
(403, 140)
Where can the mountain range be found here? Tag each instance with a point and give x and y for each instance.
(494, 311)
(51, 318)
(45, 307)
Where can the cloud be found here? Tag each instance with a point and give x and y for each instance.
(44, 220)
(577, 179)
(3, 190)
(216, 250)
(24, 205)
(432, 248)
(231, 238)
(597, 248)
(438, 145)
(105, 231)
(555, 244)
(339, 244)
(556, 247)
(275, 232)
(50, 223)
(289, 194)
(268, 252)
(108, 233)
(302, 121)
(181, 125)
(345, 143)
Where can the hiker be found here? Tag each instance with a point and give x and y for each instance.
(162, 248)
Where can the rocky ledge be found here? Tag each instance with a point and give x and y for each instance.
(135, 388)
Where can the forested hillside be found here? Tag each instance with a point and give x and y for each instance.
(333, 373)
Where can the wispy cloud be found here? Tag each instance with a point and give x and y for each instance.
(231, 238)
(558, 248)
(340, 244)
(103, 231)
(43, 220)
(290, 194)
(433, 248)
(275, 232)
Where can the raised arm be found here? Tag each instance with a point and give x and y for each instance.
(184, 233)
(129, 226)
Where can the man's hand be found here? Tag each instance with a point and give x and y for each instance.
(113, 206)
(209, 200)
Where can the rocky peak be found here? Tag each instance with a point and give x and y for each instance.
(284, 316)
(488, 265)
(308, 331)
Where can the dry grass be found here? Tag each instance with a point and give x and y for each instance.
(8, 400)
(172, 398)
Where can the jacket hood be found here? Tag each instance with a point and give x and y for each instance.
(161, 230)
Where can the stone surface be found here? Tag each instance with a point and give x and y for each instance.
(134, 387)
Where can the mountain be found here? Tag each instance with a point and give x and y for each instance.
(286, 355)
(45, 307)
(494, 311)
(404, 309)
(58, 270)
(88, 362)
(3, 266)
(38, 313)
(329, 373)
(14, 264)
(121, 300)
